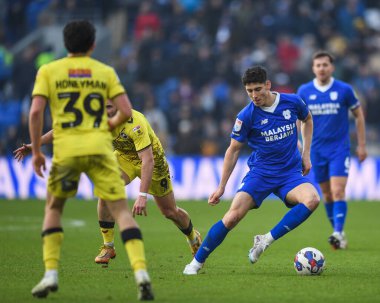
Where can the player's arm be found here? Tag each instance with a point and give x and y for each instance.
(124, 111)
(360, 132)
(147, 164)
(230, 159)
(36, 117)
(21, 152)
(307, 135)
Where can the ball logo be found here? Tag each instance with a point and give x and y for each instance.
(286, 114)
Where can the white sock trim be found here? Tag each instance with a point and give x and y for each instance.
(195, 263)
(268, 236)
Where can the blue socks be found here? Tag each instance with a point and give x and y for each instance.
(340, 213)
(215, 236)
(330, 212)
(291, 220)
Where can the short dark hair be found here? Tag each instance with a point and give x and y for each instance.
(323, 53)
(255, 74)
(79, 36)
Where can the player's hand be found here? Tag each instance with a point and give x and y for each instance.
(22, 152)
(306, 165)
(361, 151)
(139, 208)
(39, 165)
(215, 196)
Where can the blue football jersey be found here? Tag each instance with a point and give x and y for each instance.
(329, 106)
(271, 132)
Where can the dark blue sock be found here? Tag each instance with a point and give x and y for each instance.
(330, 212)
(215, 236)
(340, 213)
(291, 220)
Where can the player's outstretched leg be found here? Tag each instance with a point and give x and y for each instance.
(291, 220)
(181, 219)
(214, 238)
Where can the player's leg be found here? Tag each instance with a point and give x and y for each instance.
(328, 200)
(52, 237)
(321, 169)
(134, 246)
(339, 168)
(110, 187)
(162, 192)
(305, 199)
(338, 239)
(241, 204)
(107, 229)
(63, 182)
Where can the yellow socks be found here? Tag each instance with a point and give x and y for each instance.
(52, 240)
(134, 246)
(108, 232)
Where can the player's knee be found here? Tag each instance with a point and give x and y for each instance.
(338, 194)
(170, 213)
(312, 201)
(327, 196)
(231, 219)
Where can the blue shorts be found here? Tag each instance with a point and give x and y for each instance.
(260, 187)
(333, 165)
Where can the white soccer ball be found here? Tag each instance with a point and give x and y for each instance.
(309, 261)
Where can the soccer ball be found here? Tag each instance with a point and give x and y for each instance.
(309, 261)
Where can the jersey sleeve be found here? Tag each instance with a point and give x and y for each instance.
(115, 88)
(240, 129)
(302, 109)
(140, 135)
(41, 85)
(352, 100)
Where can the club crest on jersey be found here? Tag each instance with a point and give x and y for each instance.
(333, 96)
(123, 135)
(286, 114)
(238, 124)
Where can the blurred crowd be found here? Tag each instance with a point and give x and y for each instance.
(181, 60)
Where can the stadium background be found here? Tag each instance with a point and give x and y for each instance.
(181, 62)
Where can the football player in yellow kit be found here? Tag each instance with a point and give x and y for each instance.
(77, 88)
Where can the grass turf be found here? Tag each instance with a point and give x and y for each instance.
(350, 276)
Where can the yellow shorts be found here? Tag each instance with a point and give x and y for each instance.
(160, 186)
(101, 169)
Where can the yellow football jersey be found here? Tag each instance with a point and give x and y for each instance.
(135, 135)
(77, 89)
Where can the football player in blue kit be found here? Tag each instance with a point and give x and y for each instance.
(329, 101)
(268, 125)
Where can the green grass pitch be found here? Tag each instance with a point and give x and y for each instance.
(350, 276)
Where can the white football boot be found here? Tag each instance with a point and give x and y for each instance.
(192, 268)
(259, 246)
(48, 283)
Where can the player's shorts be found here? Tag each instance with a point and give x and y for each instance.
(259, 187)
(101, 169)
(333, 165)
(160, 186)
